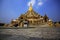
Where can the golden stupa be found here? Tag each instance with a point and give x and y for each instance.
(29, 18)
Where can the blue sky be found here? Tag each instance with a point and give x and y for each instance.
(12, 9)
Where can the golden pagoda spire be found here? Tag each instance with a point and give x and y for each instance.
(30, 8)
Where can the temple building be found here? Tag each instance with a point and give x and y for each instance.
(29, 18)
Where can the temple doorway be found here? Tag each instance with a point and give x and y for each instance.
(25, 23)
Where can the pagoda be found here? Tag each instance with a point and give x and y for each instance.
(29, 18)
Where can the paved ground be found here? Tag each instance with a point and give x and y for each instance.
(39, 33)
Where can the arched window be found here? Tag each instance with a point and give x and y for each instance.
(21, 17)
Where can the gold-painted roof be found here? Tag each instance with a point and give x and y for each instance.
(31, 13)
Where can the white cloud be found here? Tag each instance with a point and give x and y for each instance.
(40, 3)
(32, 1)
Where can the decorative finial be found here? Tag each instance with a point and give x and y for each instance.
(30, 8)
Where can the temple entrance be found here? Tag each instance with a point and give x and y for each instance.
(25, 23)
